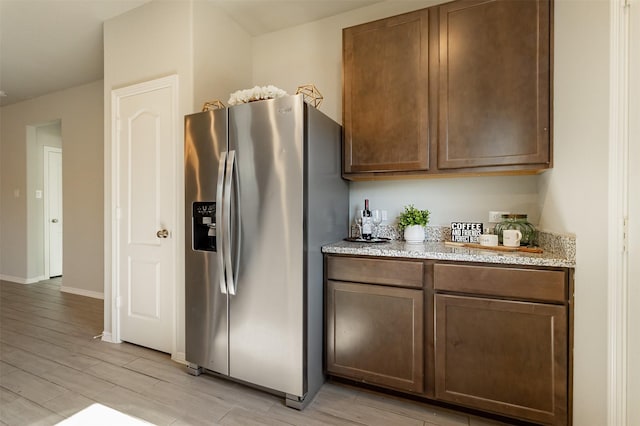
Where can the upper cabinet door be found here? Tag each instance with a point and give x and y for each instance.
(494, 84)
(386, 123)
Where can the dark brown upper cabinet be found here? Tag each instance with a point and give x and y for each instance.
(386, 114)
(494, 84)
(459, 88)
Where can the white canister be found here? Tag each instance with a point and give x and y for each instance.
(489, 240)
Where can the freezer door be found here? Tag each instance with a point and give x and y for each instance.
(206, 307)
(266, 312)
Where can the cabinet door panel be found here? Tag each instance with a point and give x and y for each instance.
(386, 94)
(375, 334)
(502, 356)
(494, 83)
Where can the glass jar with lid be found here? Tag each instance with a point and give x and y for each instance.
(519, 222)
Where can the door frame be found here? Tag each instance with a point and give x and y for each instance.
(46, 199)
(113, 212)
(619, 312)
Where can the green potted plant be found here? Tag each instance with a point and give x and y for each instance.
(412, 222)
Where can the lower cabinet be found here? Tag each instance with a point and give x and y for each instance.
(375, 334)
(502, 356)
(374, 321)
(492, 338)
(502, 340)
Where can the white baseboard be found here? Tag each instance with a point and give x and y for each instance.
(72, 290)
(180, 357)
(108, 337)
(82, 292)
(12, 279)
(21, 280)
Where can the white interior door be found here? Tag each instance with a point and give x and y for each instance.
(53, 210)
(146, 133)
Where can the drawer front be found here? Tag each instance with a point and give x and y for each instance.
(531, 284)
(401, 273)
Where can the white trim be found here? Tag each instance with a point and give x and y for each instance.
(45, 200)
(111, 215)
(113, 226)
(618, 284)
(21, 280)
(108, 337)
(82, 292)
(180, 357)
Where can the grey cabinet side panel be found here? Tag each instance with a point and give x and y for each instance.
(327, 208)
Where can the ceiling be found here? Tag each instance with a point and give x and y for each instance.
(50, 45)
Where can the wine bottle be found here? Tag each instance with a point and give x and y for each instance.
(367, 225)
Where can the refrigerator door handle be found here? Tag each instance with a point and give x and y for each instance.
(220, 219)
(237, 240)
(229, 271)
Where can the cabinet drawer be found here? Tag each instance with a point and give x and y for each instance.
(401, 273)
(532, 284)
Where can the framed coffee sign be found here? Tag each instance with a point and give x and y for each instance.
(465, 232)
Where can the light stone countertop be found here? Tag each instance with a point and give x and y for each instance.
(440, 251)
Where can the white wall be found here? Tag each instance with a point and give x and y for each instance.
(13, 186)
(573, 196)
(80, 113)
(570, 198)
(221, 54)
(451, 199)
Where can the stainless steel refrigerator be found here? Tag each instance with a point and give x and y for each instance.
(263, 192)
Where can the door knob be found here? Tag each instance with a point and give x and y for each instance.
(54, 220)
(163, 233)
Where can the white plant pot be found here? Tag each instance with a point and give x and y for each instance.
(414, 234)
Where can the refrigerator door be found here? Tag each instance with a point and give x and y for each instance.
(206, 306)
(266, 313)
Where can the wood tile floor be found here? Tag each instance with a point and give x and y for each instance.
(51, 367)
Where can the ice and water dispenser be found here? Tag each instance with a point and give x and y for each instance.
(204, 226)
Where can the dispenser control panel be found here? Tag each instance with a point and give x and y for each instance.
(203, 225)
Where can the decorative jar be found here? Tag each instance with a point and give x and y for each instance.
(519, 222)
